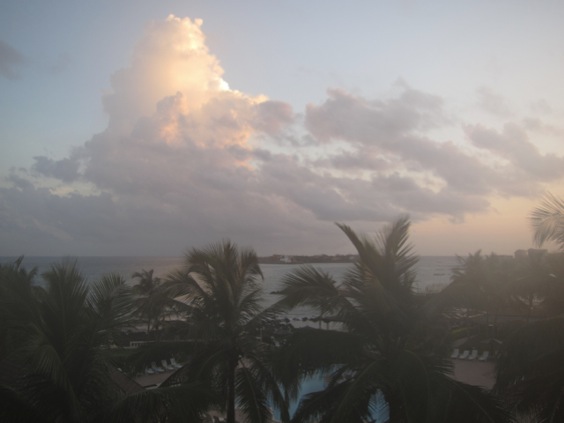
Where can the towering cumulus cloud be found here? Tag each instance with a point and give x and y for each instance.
(175, 166)
(186, 160)
(170, 65)
(173, 119)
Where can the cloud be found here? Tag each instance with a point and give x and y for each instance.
(273, 116)
(186, 160)
(386, 139)
(10, 61)
(541, 106)
(513, 144)
(171, 58)
(492, 102)
(353, 118)
(60, 64)
(65, 169)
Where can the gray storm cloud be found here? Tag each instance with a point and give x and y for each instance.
(11, 61)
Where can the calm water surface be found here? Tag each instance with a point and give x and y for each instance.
(433, 272)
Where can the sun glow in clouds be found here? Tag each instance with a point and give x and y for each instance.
(173, 72)
(187, 158)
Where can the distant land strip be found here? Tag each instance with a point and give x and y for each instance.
(322, 258)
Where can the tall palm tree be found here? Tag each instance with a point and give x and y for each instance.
(384, 348)
(548, 221)
(220, 286)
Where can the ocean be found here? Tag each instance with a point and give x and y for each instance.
(433, 272)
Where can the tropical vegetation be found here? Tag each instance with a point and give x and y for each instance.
(381, 347)
(384, 350)
(56, 362)
(220, 287)
(530, 375)
(548, 220)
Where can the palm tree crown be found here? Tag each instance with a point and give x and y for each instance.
(220, 286)
(60, 371)
(548, 220)
(384, 350)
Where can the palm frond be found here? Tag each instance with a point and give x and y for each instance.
(308, 286)
(186, 402)
(251, 399)
(328, 406)
(529, 373)
(548, 220)
(460, 402)
(111, 299)
(312, 350)
(269, 382)
(250, 306)
(361, 388)
(15, 407)
(387, 260)
(181, 284)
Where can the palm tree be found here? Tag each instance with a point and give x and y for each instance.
(385, 350)
(553, 302)
(152, 302)
(57, 366)
(66, 371)
(529, 371)
(17, 310)
(220, 286)
(17, 302)
(548, 225)
(548, 221)
(483, 283)
(147, 282)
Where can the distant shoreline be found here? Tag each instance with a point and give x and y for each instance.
(322, 258)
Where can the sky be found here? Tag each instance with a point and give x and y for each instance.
(148, 128)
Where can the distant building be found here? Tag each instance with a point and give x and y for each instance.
(520, 254)
(531, 252)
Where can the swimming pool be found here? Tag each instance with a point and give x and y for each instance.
(317, 382)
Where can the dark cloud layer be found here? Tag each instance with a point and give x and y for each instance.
(11, 61)
(65, 169)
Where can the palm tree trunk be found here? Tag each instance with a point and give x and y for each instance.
(230, 418)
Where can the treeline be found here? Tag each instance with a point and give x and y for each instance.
(384, 352)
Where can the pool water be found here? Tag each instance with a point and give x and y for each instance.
(317, 383)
